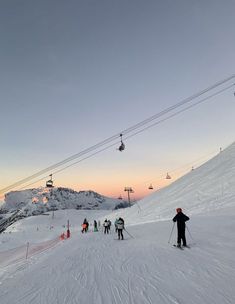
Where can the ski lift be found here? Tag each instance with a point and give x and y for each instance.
(120, 197)
(122, 146)
(49, 183)
(192, 168)
(129, 189)
(150, 187)
(168, 176)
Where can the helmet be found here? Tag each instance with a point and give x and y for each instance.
(178, 210)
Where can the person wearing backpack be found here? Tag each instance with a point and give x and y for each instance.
(181, 218)
(120, 227)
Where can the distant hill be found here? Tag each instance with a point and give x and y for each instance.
(40, 200)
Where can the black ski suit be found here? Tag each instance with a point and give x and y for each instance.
(181, 218)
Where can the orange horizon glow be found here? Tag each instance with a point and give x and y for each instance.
(112, 188)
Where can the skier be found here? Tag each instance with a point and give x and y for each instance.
(85, 225)
(109, 225)
(95, 226)
(115, 224)
(106, 226)
(120, 227)
(181, 218)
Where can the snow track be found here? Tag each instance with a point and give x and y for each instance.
(95, 268)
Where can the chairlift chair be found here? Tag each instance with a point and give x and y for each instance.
(122, 146)
(150, 187)
(49, 183)
(168, 176)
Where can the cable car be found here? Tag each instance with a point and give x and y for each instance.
(49, 183)
(168, 176)
(150, 187)
(122, 146)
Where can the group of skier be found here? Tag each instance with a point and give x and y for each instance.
(180, 218)
(119, 226)
(85, 225)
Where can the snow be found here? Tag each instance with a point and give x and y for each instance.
(146, 268)
(40, 200)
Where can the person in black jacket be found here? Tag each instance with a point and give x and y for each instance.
(181, 218)
(120, 227)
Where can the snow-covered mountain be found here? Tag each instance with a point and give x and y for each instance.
(40, 200)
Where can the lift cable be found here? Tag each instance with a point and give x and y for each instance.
(131, 129)
(115, 143)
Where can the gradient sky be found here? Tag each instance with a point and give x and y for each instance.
(76, 72)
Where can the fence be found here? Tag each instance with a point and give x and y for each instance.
(15, 255)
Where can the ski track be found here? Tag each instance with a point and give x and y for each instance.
(98, 269)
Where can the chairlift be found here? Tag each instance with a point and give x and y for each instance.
(49, 183)
(192, 169)
(150, 187)
(168, 176)
(120, 197)
(122, 146)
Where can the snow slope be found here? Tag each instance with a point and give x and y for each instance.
(205, 189)
(145, 268)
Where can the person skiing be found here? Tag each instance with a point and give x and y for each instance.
(95, 226)
(109, 225)
(115, 224)
(106, 226)
(181, 218)
(120, 227)
(85, 225)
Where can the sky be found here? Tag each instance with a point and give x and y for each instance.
(74, 73)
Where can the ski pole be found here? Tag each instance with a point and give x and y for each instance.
(171, 232)
(189, 233)
(128, 233)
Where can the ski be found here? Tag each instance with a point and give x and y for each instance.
(182, 247)
(179, 247)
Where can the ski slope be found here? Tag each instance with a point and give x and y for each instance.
(146, 268)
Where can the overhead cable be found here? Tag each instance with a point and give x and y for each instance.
(127, 131)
